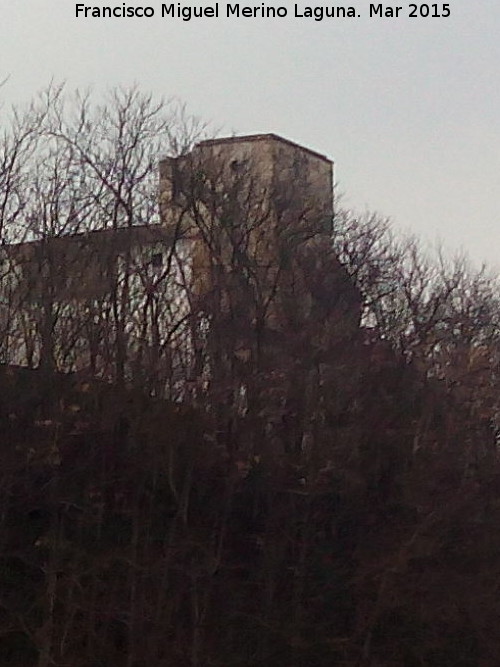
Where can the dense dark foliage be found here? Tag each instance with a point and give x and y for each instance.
(130, 538)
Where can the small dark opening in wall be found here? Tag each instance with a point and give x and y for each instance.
(238, 166)
(176, 179)
(157, 260)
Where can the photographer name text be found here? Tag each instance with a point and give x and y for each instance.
(179, 11)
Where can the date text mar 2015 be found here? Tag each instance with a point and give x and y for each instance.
(237, 10)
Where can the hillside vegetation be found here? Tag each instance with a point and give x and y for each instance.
(291, 468)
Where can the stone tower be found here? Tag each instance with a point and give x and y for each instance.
(259, 190)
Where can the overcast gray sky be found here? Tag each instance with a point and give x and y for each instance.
(407, 107)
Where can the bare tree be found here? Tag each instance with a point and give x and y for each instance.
(92, 169)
